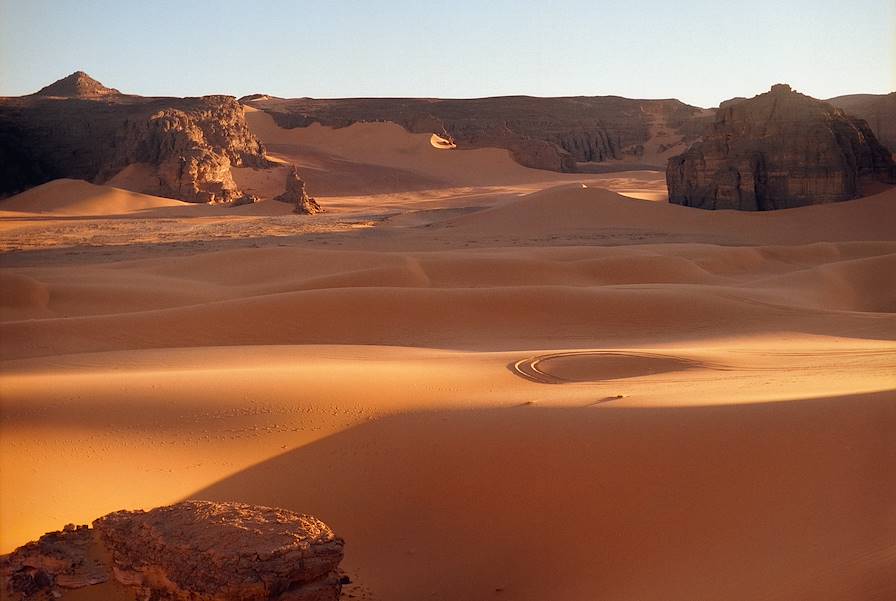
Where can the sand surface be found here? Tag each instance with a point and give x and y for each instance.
(494, 382)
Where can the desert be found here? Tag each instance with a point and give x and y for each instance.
(391, 349)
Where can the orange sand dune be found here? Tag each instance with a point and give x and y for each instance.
(577, 208)
(492, 381)
(447, 470)
(77, 197)
(483, 299)
(383, 157)
(390, 145)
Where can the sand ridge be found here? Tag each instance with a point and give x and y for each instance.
(72, 197)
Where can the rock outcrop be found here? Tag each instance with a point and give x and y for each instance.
(77, 85)
(778, 150)
(879, 110)
(558, 134)
(192, 551)
(80, 129)
(192, 150)
(296, 194)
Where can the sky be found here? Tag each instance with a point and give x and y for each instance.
(698, 51)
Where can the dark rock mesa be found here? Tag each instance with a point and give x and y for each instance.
(778, 150)
(195, 550)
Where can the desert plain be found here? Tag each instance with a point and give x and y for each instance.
(494, 382)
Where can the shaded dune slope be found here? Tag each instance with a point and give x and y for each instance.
(551, 494)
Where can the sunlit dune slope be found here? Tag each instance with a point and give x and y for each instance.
(72, 197)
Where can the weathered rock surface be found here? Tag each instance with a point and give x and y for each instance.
(192, 551)
(79, 129)
(192, 149)
(879, 110)
(295, 194)
(546, 133)
(77, 85)
(778, 150)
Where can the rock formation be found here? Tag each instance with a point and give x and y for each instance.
(559, 134)
(778, 150)
(80, 129)
(195, 550)
(191, 149)
(879, 110)
(77, 85)
(295, 194)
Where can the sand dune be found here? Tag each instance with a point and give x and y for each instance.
(381, 157)
(484, 299)
(390, 145)
(424, 459)
(492, 381)
(514, 215)
(585, 209)
(76, 197)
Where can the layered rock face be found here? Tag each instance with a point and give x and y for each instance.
(295, 194)
(80, 129)
(778, 150)
(192, 551)
(879, 110)
(559, 134)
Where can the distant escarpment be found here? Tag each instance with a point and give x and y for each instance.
(879, 110)
(196, 550)
(559, 134)
(77, 128)
(778, 150)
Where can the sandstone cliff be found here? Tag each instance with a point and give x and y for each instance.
(195, 550)
(778, 150)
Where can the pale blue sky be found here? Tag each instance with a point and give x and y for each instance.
(700, 51)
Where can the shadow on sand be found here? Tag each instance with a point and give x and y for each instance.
(784, 500)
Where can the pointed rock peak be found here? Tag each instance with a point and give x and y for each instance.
(77, 85)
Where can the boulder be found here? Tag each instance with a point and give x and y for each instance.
(195, 550)
(778, 150)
